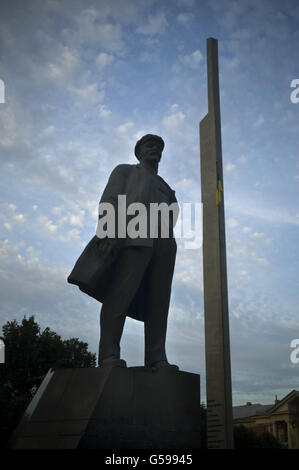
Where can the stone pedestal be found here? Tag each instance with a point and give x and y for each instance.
(113, 408)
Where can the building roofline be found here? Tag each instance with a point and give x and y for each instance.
(290, 395)
(269, 411)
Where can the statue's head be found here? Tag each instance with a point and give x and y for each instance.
(149, 148)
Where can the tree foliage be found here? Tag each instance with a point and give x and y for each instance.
(29, 354)
(248, 439)
(244, 438)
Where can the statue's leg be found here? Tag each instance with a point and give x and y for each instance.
(158, 287)
(129, 271)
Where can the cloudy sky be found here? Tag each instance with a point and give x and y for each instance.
(83, 81)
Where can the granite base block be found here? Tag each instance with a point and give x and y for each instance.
(113, 408)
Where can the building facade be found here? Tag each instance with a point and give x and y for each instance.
(280, 419)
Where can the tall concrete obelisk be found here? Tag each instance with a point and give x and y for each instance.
(217, 345)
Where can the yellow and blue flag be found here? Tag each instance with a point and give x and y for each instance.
(219, 190)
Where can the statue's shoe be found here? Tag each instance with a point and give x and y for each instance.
(112, 362)
(163, 365)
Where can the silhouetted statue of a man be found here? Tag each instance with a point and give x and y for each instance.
(132, 275)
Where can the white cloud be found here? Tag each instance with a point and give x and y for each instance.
(248, 253)
(262, 261)
(91, 28)
(11, 217)
(183, 183)
(173, 123)
(243, 273)
(66, 62)
(174, 107)
(104, 111)
(124, 128)
(37, 283)
(230, 64)
(280, 216)
(259, 122)
(77, 219)
(230, 167)
(9, 127)
(188, 269)
(156, 24)
(243, 159)
(49, 130)
(47, 224)
(19, 218)
(88, 93)
(71, 235)
(110, 35)
(74, 217)
(192, 60)
(57, 210)
(104, 60)
(257, 235)
(185, 19)
(148, 57)
(185, 3)
(139, 134)
(232, 223)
